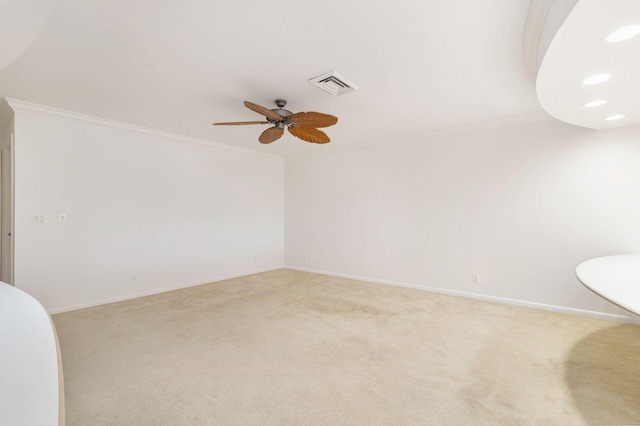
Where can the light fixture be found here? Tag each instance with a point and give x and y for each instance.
(615, 117)
(596, 103)
(595, 79)
(623, 33)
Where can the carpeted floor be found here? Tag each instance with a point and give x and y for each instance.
(293, 348)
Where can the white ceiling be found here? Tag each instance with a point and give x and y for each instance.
(20, 23)
(180, 65)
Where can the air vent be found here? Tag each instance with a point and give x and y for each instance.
(333, 83)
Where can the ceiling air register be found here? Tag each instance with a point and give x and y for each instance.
(333, 83)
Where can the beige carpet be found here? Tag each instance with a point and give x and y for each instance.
(293, 348)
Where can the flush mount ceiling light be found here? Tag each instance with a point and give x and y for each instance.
(624, 33)
(615, 117)
(595, 103)
(595, 79)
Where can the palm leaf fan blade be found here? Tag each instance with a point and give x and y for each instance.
(309, 134)
(262, 110)
(240, 123)
(272, 134)
(313, 119)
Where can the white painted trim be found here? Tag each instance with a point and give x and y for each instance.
(536, 19)
(503, 300)
(497, 123)
(6, 114)
(56, 113)
(157, 291)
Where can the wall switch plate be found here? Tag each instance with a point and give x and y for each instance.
(62, 218)
(38, 218)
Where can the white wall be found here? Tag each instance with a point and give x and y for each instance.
(173, 212)
(521, 205)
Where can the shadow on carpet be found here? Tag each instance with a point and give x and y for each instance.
(602, 372)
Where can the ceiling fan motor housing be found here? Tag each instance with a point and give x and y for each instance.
(284, 113)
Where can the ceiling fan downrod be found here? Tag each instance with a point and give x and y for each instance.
(284, 113)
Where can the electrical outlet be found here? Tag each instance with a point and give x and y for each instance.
(134, 277)
(475, 278)
(304, 258)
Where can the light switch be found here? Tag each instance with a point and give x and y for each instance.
(39, 218)
(62, 218)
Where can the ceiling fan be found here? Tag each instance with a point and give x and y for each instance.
(303, 125)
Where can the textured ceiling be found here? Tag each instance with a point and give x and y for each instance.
(179, 65)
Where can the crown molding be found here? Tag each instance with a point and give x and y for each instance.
(514, 120)
(24, 107)
(9, 105)
(496, 123)
(6, 114)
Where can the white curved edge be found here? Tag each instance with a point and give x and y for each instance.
(544, 19)
(21, 22)
(578, 51)
(31, 385)
(61, 408)
(615, 278)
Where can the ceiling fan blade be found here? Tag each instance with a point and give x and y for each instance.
(239, 123)
(309, 134)
(313, 119)
(262, 110)
(271, 134)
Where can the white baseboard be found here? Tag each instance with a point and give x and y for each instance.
(515, 302)
(157, 291)
(504, 300)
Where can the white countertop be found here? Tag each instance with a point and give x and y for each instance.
(30, 379)
(616, 278)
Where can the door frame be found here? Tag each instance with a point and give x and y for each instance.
(7, 193)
